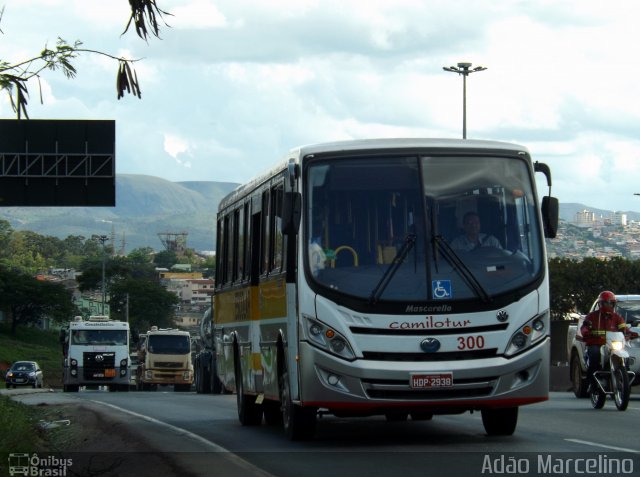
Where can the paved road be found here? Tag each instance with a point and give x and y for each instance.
(549, 434)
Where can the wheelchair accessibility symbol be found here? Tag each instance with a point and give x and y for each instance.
(441, 289)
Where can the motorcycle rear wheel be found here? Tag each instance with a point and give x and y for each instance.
(621, 388)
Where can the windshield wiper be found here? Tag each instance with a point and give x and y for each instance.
(409, 242)
(454, 260)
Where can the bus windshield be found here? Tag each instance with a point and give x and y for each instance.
(388, 228)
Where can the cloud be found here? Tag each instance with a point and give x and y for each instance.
(234, 85)
(176, 146)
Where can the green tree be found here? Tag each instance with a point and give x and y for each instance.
(14, 77)
(26, 300)
(574, 285)
(165, 259)
(142, 255)
(149, 303)
(5, 235)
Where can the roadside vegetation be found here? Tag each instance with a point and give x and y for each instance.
(574, 285)
(20, 431)
(32, 344)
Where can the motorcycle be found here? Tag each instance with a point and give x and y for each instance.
(614, 377)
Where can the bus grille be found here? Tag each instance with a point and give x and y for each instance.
(423, 394)
(427, 357)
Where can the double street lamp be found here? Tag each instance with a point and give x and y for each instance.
(465, 70)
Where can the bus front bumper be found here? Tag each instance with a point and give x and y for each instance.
(370, 387)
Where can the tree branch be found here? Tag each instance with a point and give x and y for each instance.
(140, 8)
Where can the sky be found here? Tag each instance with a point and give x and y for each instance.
(232, 85)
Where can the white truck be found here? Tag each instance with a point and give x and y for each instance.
(164, 358)
(629, 307)
(96, 353)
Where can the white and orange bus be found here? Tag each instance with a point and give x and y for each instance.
(338, 289)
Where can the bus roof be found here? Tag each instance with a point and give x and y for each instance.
(401, 143)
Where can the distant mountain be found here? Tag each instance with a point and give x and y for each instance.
(147, 206)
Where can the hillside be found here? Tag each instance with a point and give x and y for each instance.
(145, 206)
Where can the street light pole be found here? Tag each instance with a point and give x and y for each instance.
(102, 239)
(465, 70)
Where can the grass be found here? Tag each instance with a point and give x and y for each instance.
(19, 430)
(17, 426)
(32, 344)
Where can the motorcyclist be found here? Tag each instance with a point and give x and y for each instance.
(594, 329)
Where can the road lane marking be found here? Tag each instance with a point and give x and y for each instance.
(207, 443)
(595, 444)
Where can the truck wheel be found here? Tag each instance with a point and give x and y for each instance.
(579, 384)
(500, 422)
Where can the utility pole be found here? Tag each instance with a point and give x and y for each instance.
(465, 70)
(102, 239)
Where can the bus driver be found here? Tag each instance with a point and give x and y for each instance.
(472, 237)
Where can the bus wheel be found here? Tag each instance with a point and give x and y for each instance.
(249, 413)
(216, 385)
(500, 422)
(272, 413)
(299, 422)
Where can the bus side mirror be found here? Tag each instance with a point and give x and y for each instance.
(291, 213)
(550, 212)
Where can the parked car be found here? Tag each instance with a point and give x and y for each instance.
(24, 373)
(629, 307)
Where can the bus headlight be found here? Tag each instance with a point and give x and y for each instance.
(527, 335)
(123, 363)
(327, 338)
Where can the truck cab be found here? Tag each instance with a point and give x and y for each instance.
(96, 353)
(164, 359)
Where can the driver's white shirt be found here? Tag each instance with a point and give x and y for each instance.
(464, 244)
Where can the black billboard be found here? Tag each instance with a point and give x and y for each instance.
(53, 162)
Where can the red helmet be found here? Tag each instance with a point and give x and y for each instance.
(607, 301)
